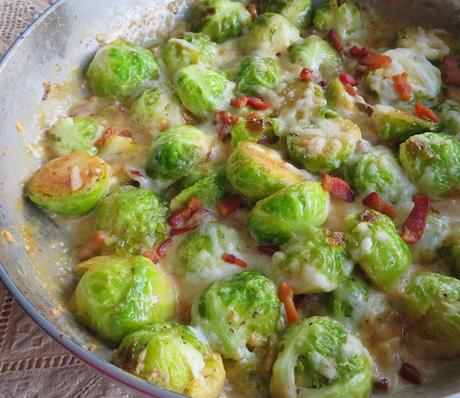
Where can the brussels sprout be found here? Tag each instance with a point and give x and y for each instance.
(395, 125)
(74, 134)
(270, 34)
(255, 130)
(315, 262)
(256, 73)
(379, 171)
(449, 114)
(428, 248)
(120, 69)
(317, 358)
(428, 42)
(133, 220)
(70, 185)
(175, 152)
(202, 89)
(158, 109)
(119, 295)
(423, 77)
(257, 171)
(339, 100)
(316, 54)
(239, 316)
(325, 145)
(432, 162)
(345, 19)
(274, 220)
(191, 49)
(172, 356)
(451, 250)
(299, 12)
(375, 244)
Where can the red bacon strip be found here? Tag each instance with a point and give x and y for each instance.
(375, 60)
(231, 259)
(338, 188)
(375, 202)
(402, 86)
(415, 224)
(334, 39)
(258, 103)
(286, 296)
(426, 113)
(229, 205)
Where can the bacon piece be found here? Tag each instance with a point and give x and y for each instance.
(375, 60)
(105, 136)
(306, 74)
(258, 103)
(286, 295)
(451, 69)
(268, 250)
(125, 133)
(92, 247)
(350, 90)
(347, 79)
(426, 113)
(239, 102)
(334, 39)
(415, 224)
(229, 205)
(181, 216)
(338, 188)
(402, 86)
(231, 259)
(252, 10)
(163, 247)
(358, 53)
(375, 202)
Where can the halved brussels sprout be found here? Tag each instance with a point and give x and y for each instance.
(172, 356)
(158, 109)
(374, 243)
(120, 69)
(299, 12)
(74, 134)
(428, 42)
(314, 262)
(190, 49)
(175, 152)
(449, 115)
(344, 18)
(70, 185)
(396, 125)
(202, 89)
(255, 130)
(316, 54)
(428, 248)
(423, 77)
(257, 171)
(240, 316)
(119, 295)
(256, 73)
(317, 358)
(133, 219)
(325, 145)
(275, 219)
(270, 34)
(339, 100)
(432, 162)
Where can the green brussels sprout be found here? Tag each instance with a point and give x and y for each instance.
(396, 125)
(70, 185)
(74, 134)
(256, 73)
(432, 301)
(428, 42)
(340, 101)
(190, 49)
(133, 219)
(315, 262)
(345, 19)
(239, 316)
(270, 34)
(451, 250)
(275, 219)
(257, 171)
(428, 248)
(325, 145)
(221, 19)
(299, 12)
(120, 69)
(379, 171)
(432, 162)
(316, 54)
(423, 77)
(172, 356)
(374, 243)
(202, 89)
(175, 152)
(119, 295)
(158, 109)
(317, 358)
(449, 115)
(255, 130)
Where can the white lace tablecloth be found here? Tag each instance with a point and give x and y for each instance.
(32, 364)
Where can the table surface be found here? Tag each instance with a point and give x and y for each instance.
(32, 364)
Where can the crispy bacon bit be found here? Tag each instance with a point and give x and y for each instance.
(91, 247)
(347, 79)
(451, 69)
(375, 202)
(415, 224)
(225, 122)
(350, 90)
(334, 39)
(258, 103)
(105, 136)
(358, 53)
(181, 216)
(256, 125)
(286, 295)
(381, 383)
(125, 133)
(338, 188)
(252, 10)
(375, 60)
(229, 205)
(402, 86)
(231, 259)
(426, 113)
(411, 373)
(239, 102)
(163, 247)
(306, 74)
(268, 250)
(367, 109)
